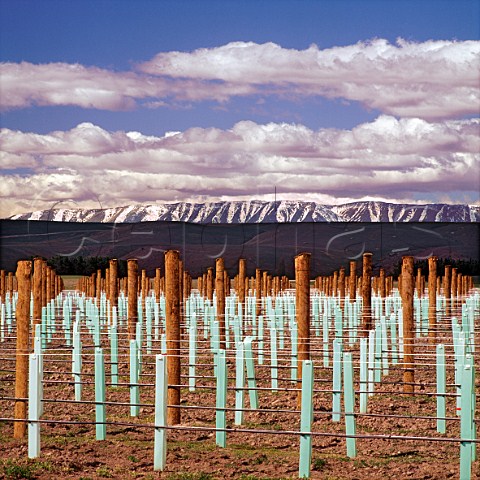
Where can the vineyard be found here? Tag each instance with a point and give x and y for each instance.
(347, 376)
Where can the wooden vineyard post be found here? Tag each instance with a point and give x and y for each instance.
(382, 289)
(37, 292)
(187, 285)
(113, 291)
(432, 299)
(408, 327)
(226, 283)
(353, 281)
(52, 283)
(418, 282)
(49, 275)
(276, 286)
(44, 285)
(141, 282)
(203, 291)
(24, 270)
(265, 291)
(106, 283)
(172, 303)
(180, 279)
(143, 289)
(453, 290)
(341, 287)
(220, 291)
(335, 284)
(91, 285)
(158, 276)
(383, 286)
(302, 298)
(258, 292)
(447, 289)
(241, 280)
(132, 272)
(210, 285)
(48, 279)
(98, 287)
(2, 285)
(58, 285)
(367, 294)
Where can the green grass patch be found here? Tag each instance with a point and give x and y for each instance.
(104, 472)
(25, 470)
(258, 451)
(318, 464)
(190, 476)
(263, 426)
(254, 477)
(15, 471)
(193, 446)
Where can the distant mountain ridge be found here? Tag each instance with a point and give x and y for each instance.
(256, 211)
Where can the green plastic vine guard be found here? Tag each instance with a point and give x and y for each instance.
(100, 417)
(160, 434)
(306, 418)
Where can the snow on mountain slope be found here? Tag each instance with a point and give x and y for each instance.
(390, 212)
(256, 211)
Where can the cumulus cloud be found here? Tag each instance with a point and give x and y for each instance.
(430, 80)
(387, 158)
(26, 84)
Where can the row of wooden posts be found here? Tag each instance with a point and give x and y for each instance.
(177, 284)
(454, 284)
(45, 285)
(51, 283)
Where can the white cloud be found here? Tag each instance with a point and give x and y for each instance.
(26, 84)
(430, 80)
(387, 158)
(9, 161)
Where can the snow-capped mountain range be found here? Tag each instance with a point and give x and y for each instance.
(256, 211)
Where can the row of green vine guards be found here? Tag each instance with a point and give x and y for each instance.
(245, 335)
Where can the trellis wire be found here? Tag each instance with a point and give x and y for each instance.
(457, 344)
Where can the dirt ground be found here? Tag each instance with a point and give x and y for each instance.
(70, 451)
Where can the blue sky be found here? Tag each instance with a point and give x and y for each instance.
(330, 101)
